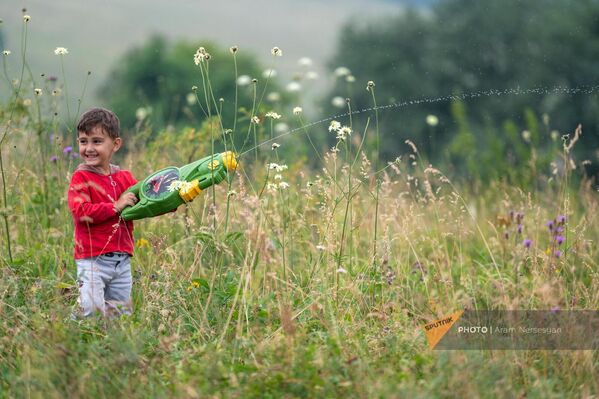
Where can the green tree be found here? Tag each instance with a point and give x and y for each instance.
(489, 54)
(159, 76)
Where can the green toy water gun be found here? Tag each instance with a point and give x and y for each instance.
(164, 190)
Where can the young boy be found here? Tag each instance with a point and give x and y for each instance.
(103, 241)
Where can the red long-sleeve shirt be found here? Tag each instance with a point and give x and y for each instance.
(91, 198)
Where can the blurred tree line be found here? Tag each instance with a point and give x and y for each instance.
(471, 48)
(153, 84)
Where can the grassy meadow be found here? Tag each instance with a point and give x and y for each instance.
(291, 280)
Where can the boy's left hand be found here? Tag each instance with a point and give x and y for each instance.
(125, 200)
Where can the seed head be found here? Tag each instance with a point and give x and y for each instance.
(277, 52)
(272, 115)
(334, 126)
(369, 85)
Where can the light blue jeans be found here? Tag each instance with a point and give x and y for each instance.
(105, 284)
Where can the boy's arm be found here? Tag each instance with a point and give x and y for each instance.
(82, 208)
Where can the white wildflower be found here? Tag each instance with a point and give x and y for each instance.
(277, 167)
(293, 87)
(271, 187)
(342, 71)
(432, 120)
(526, 136)
(334, 126)
(338, 102)
(305, 62)
(278, 177)
(283, 185)
(190, 98)
(200, 56)
(274, 146)
(343, 133)
(233, 49)
(61, 51)
(350, 78)
(269, 73)
(231, 193)
(273, 96)
(38, 92)
(255, 120)
(554, 135)
(179, 185)
(277, 52)
(281, 127)
(56, 92)
(6, 52)
(321, 247)
(370, 85)
(341, 270)
(244, 80)
(297, 110)
(141, 113)
(272, 115)
(311, 75)
(26, 18)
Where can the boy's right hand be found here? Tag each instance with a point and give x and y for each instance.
(126, 199)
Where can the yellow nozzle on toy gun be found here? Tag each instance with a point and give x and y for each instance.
(190, 191)
(229, 160)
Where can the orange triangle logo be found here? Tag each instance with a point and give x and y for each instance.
(435, 330)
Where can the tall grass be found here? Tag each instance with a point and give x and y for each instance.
(318, 287)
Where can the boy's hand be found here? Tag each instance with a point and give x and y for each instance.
(126, 199)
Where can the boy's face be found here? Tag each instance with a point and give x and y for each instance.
(97, 147)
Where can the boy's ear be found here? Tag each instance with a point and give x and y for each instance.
(117, 144)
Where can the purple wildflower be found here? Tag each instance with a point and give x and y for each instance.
(52, 79)
(519, 230)
(67, 149)
(559, 229)
(559, 240)
(561, 219)
(550, 225)
(74, 155)
(557, 253)
(519, 216)
(511, 215)
(555, 309)
(53, 158)
(527, 243)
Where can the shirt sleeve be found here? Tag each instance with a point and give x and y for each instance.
(81, 206)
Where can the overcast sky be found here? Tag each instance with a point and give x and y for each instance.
(97, 33)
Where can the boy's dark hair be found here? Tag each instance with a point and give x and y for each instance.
(99, 117)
